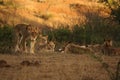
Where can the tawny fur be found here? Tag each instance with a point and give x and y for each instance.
(51, 46)
(24, 33)
(115, 51)
(44, 44)
(109, 49)
(73, 48)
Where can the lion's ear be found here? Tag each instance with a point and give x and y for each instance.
(27, 26)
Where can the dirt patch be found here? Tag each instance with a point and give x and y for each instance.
(3, 64)
(28, 63)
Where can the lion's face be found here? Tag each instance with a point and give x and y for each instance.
(33, 31)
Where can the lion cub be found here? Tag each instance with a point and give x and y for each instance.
(23, 34)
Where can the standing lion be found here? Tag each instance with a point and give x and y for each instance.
(25, 33)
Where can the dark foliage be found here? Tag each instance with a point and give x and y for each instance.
(6, 38)
(114, 5)
(86, 34)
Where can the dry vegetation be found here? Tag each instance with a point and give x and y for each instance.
(51, 13)
(53, 66)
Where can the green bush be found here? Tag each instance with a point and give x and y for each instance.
(61, 34)
(6, 38)
(78, 34)
(50, 34)
(116, 35)
(86, 34)
(95, 35)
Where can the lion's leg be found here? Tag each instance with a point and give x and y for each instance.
(24, 45)
(18, 42)
(17, 48)
(32, 45)
(51, 46)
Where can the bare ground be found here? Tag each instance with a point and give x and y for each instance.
(56, 66)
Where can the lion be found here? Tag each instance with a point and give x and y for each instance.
(60, 47)
(51, 46)
(41, 43)
(75, 49)
(108, 43)
(115, 51)
(44, 44)
(109, 49)
(23, 34)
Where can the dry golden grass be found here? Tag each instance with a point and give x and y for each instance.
(55, 66)
(25, 11)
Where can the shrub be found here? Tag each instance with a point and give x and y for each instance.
(86, 34)
(78, 34)
(116, 34)
(50, 34)
(6, 38)
(1, 2)
(62, 34)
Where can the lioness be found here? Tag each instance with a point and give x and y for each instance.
(115, 51)
(44, 44)
(41, 43)
(109, 49)
(74, 48)
(51, 46)
(23, 33)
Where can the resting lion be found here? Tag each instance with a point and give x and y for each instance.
(44, 44)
